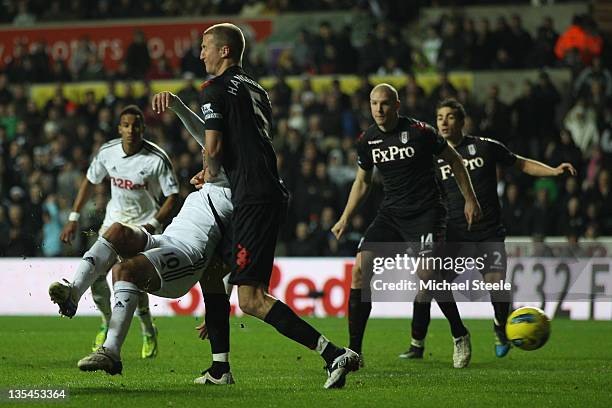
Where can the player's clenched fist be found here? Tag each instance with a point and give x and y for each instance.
(163, 100)
(339, 229)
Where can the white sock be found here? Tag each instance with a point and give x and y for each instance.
(144, 314)
(126, 299)
(322, 343)
(96, 262)
(221, 357)
(101, 295)
(417, 343)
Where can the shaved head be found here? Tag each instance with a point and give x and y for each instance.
(384, 104)
(387, 90)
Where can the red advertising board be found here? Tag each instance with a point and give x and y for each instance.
(111, 40)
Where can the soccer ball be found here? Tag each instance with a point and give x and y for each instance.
(528, 328)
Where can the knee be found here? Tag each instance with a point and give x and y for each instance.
(423, 296)
(124, 272)
(248, 305)
(117, 234)
(426, 274)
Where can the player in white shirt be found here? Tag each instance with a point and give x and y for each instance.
(140, 173)
(169, 264)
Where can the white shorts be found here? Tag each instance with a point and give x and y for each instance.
(181, 254)
(105, 227)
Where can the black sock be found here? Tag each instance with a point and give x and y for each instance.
(330, 352)
(501, 307)
(217, 321)
(421, 317)
(358, 314)
(450, 312)
(218, 368)
(287, 323)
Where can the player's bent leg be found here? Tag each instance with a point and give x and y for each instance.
(128, 240)
(129, 277)
(253, 300)
(358, 310)
(501, 306)
(95, 264)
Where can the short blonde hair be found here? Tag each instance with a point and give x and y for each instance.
(230, 35)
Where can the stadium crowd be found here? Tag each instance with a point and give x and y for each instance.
(45, 150)
(453, 42)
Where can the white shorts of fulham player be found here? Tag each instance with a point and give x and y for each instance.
(181, 254)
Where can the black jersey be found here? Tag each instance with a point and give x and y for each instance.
(405, 158)
(481, 157)
(236, 105)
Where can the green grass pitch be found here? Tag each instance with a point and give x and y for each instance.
(573, 369)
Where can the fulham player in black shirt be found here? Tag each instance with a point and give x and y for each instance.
(238, 122)
(481, 157)
(403, 150)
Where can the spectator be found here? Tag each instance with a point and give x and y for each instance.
(24, 17)
(572, 221)
(546, 101)
(496, 121)
(513, 211)
(137, 59)
(190, 61)
(543, 52)
(539, 217)
(484, 47)
(51, 244)
(304, 243)
(520, 44)
(591, 74)
(579, 37)
(79, 58)
(430, 47)
(581, 121)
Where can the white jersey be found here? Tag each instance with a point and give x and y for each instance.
(137, 181)
(182, 253)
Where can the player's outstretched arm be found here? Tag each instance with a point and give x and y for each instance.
(472, 208)
(71, 226)
(193, 123)
(539, 169)
(359, 191)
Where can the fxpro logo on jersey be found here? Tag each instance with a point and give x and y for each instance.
(209, 113)
(470, 164)
(391, 153)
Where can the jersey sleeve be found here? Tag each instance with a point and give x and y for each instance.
(213, 108)
(436, 142)
(364, 159)
(167, 179)
(97, 170)
(502, 154)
